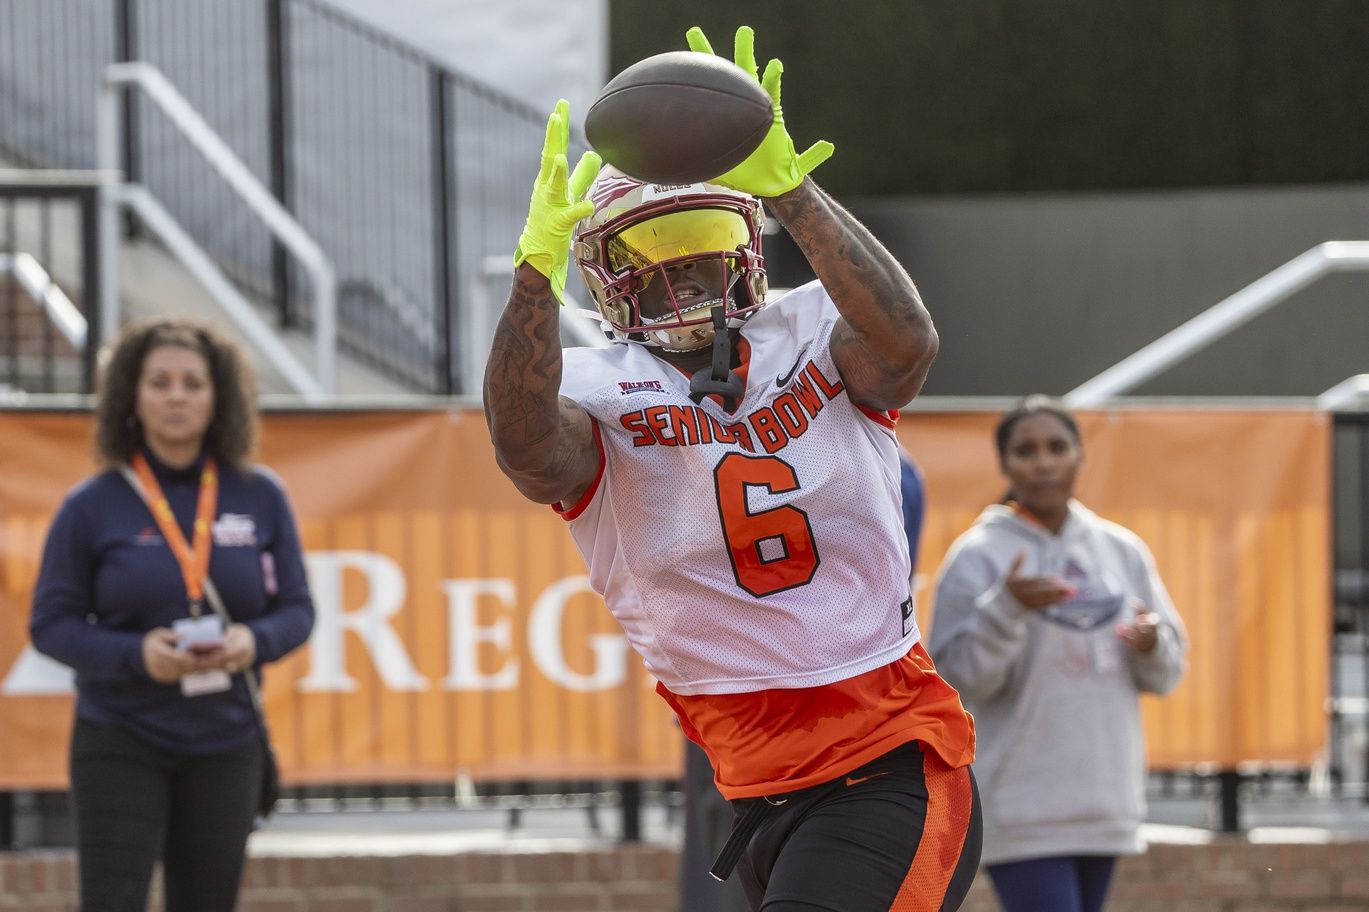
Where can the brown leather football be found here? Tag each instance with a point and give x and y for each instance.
(679, 118)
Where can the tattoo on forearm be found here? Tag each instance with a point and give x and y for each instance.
(886, 339)
(854, 267)
(523, 374)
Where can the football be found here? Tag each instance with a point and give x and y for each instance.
(678, 118)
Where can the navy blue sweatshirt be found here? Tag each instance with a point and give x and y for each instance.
(108, 577)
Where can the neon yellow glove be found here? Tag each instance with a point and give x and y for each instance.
(556, 205)
(774, 168)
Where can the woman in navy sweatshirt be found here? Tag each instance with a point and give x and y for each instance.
(166, 755)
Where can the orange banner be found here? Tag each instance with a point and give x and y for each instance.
(456, 632)
(1236, 506)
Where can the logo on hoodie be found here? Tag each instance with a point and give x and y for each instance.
(1089, 608)
(1084, 614)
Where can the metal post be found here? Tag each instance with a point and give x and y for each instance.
(522, 788)
(125, 51)
(1229, 783)
(1335, 755)
(1362, 610)
(278, 131)
(90, 282)
(631, 790)
(104, 316)
(12, 311)
(444, 234)
(45, 256)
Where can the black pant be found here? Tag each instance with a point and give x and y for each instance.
(135, 804)
(901, 832)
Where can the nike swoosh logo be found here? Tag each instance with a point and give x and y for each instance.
(784, 379)
(852, 780)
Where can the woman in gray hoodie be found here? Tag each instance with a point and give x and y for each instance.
(1051, 622)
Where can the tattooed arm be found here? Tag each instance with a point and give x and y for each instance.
(543, 442)
(884, 342)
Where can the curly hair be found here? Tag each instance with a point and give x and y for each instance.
(231, 437)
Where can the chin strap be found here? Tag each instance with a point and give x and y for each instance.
(721, 380)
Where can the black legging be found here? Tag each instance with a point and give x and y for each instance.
(135, 804)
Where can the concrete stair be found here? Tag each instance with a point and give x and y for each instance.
(151, 283)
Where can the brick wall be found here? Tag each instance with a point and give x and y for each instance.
(1226, 876)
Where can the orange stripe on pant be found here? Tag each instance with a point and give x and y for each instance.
(951, 831)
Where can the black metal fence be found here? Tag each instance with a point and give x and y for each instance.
(48, 251)
(42, 819)
(1349, 743)
(407, 173)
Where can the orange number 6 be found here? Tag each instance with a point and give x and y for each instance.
(793, 557)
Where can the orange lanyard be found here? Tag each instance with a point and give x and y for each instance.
(194, 559)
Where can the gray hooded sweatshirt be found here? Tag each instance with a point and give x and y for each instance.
(1055, 693)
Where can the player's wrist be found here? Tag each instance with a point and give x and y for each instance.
(768, 183)
(539, 258)
(800, 188)
(536, 277)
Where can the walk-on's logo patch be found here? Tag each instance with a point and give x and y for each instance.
(1086, 613)
(235, 530)
(1091, 606)
(629, 387)
(1073, 572)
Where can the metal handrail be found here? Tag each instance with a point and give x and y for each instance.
(34, 279)
(109, 137)
(1220, 319)
(1349, 390)
(155, 216)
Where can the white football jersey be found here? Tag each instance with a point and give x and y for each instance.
(747, 551)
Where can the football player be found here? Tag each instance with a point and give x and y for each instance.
(729, 472)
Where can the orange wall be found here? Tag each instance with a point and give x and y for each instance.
(488, 655)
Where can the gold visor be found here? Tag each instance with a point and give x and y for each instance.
(684, 232)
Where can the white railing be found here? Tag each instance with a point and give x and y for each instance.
(34, 279)
(1220, 319)
(1348, 391)
(116, 193)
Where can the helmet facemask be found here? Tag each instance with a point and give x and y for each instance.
(658, 259)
